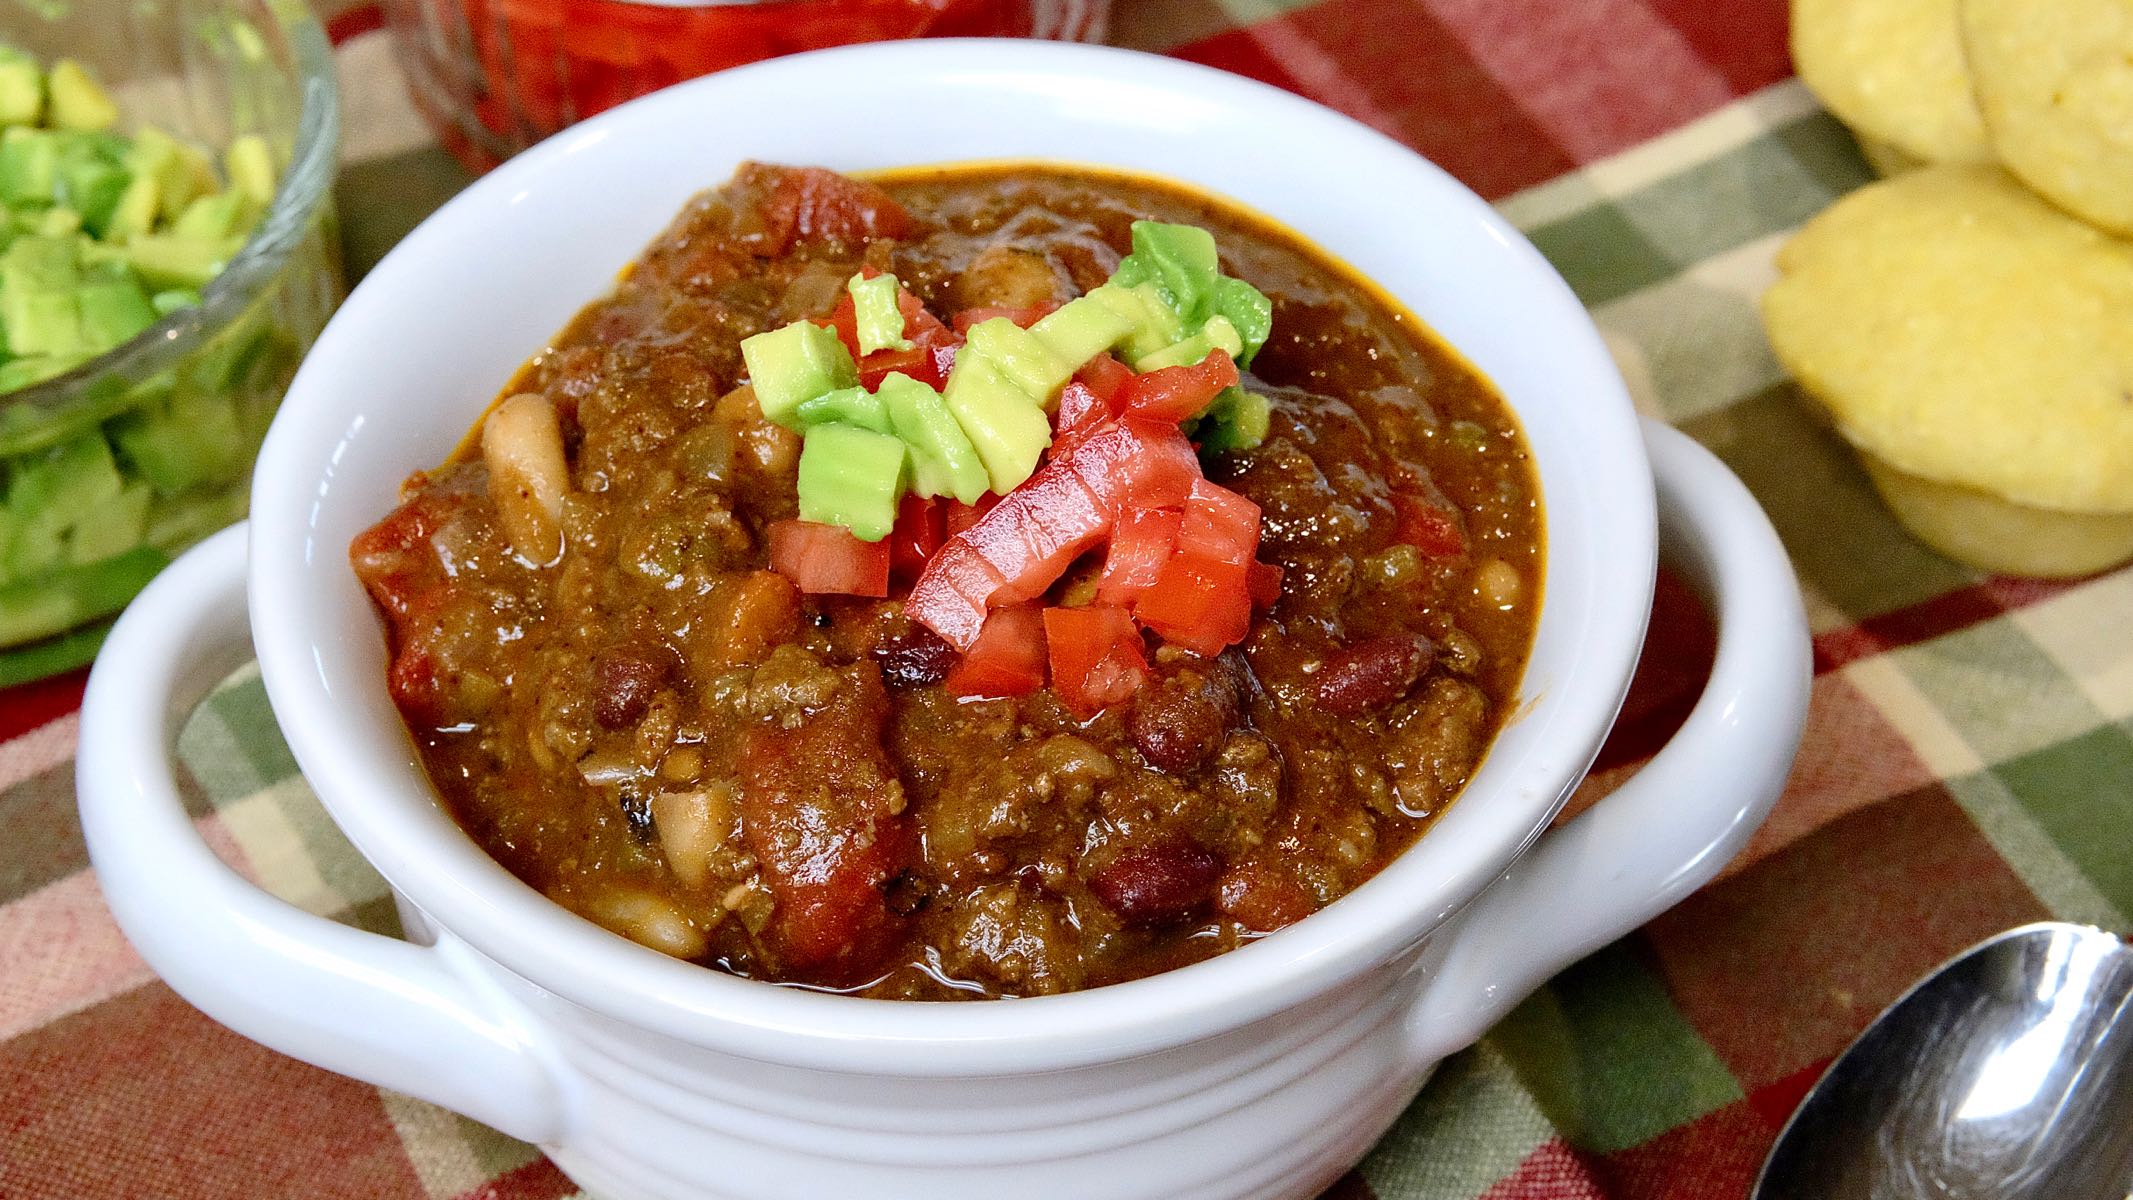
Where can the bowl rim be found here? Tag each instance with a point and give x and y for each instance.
(305, 185)
(510, 923)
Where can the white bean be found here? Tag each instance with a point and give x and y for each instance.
(528, 478)
(691, 826)
(1499, 584)
(649, 920)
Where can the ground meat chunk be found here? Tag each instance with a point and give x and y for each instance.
(1434, 744)
(1038, 789)
(1013, 936)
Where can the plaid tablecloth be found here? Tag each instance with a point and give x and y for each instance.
(1967, 766)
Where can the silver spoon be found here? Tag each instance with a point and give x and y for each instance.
(2006, 1075)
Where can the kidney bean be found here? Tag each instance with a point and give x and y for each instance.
(1156, 885)
(1372, 673)
(624, 681)
(916, 657)
(1180, 718)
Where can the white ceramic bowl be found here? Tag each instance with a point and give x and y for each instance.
(1259, 1074)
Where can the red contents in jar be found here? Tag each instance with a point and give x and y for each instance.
(495, 76)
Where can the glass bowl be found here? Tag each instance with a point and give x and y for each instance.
(495, 76)
(109, 470)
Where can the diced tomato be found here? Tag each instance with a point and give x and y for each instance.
(1096, 655)
(1263, 581)
(920, 530)
(1427, 527)
(1175, 393)
(1108, 378)
(919, 322)
(1219, 523)
(1079, 411)
(1006, 660)
(961, 516)
(813, 204)
(1033, 535)
(1201, 597)
(1142, 464)
(844, 318)
(1025, 317)
(395, 561)
(914, 362)
(817, 809)
(943, 360)
(932, 348)
(1141, 542)
(1197, 602)
(828, 558)
(951, 595)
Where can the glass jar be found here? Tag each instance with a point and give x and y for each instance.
(495, 76)
(109, 470)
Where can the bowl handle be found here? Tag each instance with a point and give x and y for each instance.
(417, 1019)
(1667, 831)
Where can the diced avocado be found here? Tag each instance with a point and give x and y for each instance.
(1004, 425)
(211, 218)
(851, 477)
(1017, 354)
(177, 522)
(1217, 334)
(19, 373)
(1152, 323)
(183, 440)
(29, 166)
(37, 608)
(21, 88)
(78, 102)
(110, 526)
(879, 323)
(38, 279)
(1248, 311)
(182, 171)
(93, 189)
(851, 406)
(250, 166)
(1234, 420)
(166, 303)
(58, 223)
(796, 362)
(46, 493)
(135, 212)
(112, 311)
(1080, 329)
(223, 368)
(168, 261)
(943, 462)
(1180, 260)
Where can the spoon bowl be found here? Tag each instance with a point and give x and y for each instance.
(2007, 1074)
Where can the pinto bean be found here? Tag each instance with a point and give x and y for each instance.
(1007, 277)
(1159, 884)
(1372, 673)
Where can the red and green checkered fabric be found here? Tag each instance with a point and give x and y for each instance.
(1968, 764)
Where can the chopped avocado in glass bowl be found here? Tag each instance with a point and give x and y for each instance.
(167, 253)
